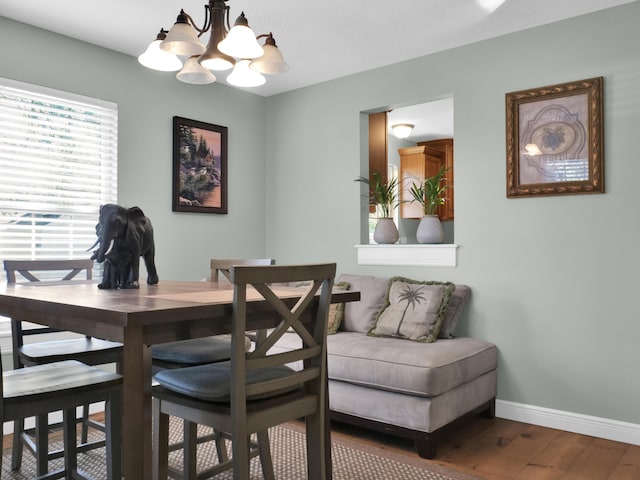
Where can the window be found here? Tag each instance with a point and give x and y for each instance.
(58, 164)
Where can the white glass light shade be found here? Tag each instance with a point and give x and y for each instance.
(402, 130)
(213, 59)
(182, 40)
(194, 73)
(157, 59)
(216, 63)
(241, 42)
(243, 76)
(271, 62)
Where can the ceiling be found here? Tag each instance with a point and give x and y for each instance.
(320, 39)
(431, 120)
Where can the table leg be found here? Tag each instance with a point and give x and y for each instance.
(136, 412)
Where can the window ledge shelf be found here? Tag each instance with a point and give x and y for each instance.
(440, 255)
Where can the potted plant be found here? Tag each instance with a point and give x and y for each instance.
(384, 195)
(430, 193)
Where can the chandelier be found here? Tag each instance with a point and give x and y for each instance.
(236, 48)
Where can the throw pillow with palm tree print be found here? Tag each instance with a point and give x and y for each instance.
(413, 310)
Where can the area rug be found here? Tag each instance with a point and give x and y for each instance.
(351, 461)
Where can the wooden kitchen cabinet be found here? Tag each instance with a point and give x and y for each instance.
(420, 162)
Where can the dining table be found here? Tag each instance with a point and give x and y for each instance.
(140, 318)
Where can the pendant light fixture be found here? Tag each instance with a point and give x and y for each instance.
(236, 48)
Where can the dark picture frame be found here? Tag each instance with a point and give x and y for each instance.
(555, 139)
(199, 167)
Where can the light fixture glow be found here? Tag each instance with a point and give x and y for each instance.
(157, 59)
(224, 49)
(194, 73)
(182, 39)
(243, 76)
(272, 61)
(241, 42)
(402, 130)
(532, 150)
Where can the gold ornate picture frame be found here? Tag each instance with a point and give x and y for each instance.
(555, 143)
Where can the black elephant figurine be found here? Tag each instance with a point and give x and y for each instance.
(124, 235)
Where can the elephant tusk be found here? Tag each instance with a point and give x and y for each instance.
(93, 246)
(113, 240)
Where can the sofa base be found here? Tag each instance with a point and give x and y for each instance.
(425, 442)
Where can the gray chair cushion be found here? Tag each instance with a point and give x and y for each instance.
(211, 382)
(196, 351)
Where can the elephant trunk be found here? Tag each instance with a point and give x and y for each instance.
(94, 245)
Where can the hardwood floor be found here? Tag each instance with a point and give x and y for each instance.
(501, 449)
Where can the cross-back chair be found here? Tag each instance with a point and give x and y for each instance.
(39, 390)
(30, 348)
(200, 351)
(221, 267)
(257, 390)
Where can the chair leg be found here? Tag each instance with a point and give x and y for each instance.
(189, 447)
(160, 450)
(85, 424)
(70, 442)
(16, 448)
(221, 447)
(265, 455)
(42, 444)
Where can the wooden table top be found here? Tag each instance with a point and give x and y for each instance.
(149, 304)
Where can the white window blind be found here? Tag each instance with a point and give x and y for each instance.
(58, 164)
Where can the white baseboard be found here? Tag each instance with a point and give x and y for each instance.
(571, 422)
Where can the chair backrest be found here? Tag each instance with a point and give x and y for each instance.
(223, 266)
(39, 270)
(306, 315)
(36, 271)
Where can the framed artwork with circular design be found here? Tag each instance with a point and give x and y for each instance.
(555, 142)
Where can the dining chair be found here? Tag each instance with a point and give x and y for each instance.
(42, 389)
(30, 350)
(200, 351)
(221, 267)
(255, 390)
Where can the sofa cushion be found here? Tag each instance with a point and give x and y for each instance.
(413, 310)
(336, 311)
(361, 316)
(393, 364)
(457, 302)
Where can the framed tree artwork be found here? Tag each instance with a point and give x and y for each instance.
(199, 167)
(555, 143)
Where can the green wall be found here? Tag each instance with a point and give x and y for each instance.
(147, 101)
(554, 279)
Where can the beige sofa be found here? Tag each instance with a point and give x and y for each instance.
(408, 388)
